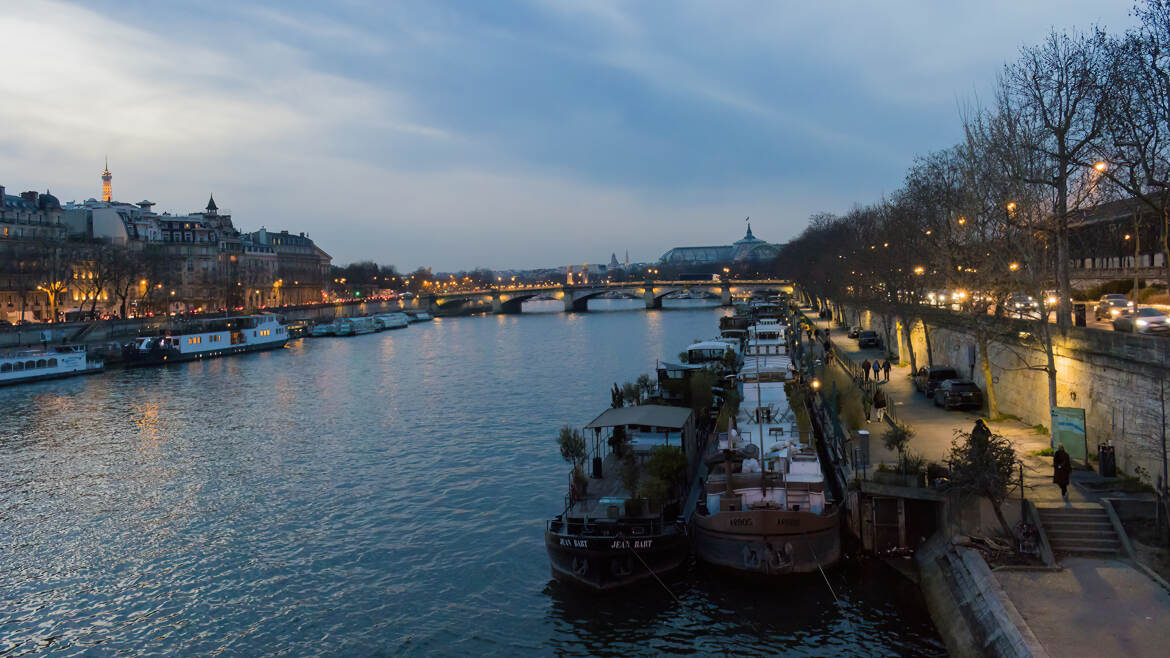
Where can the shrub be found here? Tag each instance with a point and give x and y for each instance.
(572, 445)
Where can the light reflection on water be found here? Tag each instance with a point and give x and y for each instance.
(378, 494)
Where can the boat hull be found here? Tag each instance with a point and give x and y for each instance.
(768, 542)
(89, 370)
(137, 359)
(604, 564)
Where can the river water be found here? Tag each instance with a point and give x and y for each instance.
(374, 495)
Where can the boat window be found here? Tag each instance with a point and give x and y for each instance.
(29, 365)
(5, 367)
(18, 366)
(41, 363)
(52, 363)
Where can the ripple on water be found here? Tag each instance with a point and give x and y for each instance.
(381, 494)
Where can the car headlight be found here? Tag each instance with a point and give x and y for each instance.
(1050, 300)
(1115, 312)
(1142, 323)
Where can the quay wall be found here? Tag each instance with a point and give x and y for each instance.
(969, 608)
(1118, 378)
(105, 331)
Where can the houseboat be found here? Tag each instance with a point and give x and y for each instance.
(356, 326)
(324, 329)
(391, 321)
(206, 338)
(608, 537)
(24, 366)
(419, 316)
(766, 510)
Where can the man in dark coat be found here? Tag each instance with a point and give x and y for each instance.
(1061, 467)
(865, 370)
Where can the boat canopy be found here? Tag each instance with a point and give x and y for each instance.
(650, 415)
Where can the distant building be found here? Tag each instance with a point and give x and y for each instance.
(747, 249)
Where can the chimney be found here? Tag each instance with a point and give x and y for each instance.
(1, 196)
(29, 196)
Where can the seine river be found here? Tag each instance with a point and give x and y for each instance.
(374, 495)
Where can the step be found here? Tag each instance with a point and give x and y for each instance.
(1065, 511)
(1077, 516)
(1056, 535)
(1082, 544)
(1078, 525)
(1081, 550)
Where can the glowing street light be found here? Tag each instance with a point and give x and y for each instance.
(962, 221)
(1011, 206)
(1014, 266)
(920, 270)
(1101, 166)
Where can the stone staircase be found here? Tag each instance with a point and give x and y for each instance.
(1079, 529)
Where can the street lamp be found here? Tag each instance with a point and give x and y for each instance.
(1014, 266)
(1101, 166)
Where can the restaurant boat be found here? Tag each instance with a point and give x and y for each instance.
(766, 510)
(324, 329)
(419, 316)
(25, 366)
(206, 338)
(606, 538)
(356, 326)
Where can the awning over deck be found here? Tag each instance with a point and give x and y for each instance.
(651, 415)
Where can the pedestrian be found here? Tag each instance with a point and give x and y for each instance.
(865, 370)
(1061, 465)
(867, 404)
(886, 368)
(879, 404)
(46, 337)
(877, 366)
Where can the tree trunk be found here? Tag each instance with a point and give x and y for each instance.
(1064, 309)
(910, 347)
(1166, 244)
(929, 347)
(1007, 529)
(1050, 366)
(989, 383)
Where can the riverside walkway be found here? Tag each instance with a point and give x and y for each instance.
(1090, 606)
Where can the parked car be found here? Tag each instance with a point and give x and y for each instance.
(1145, 320)
(958, 394)
(1021, 305)
(854, 331)
(869, 339)
(1111, 306)
(927, 379)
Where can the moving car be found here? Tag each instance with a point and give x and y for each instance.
(1111, 306)
(854, 331)
(1145, 320)
(928, 379)
(1021, 305)
(958, 394)
(869, 339)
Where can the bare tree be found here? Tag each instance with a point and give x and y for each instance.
(1058, 92)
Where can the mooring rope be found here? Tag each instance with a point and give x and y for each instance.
(669, 591)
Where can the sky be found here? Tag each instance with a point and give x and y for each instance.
(501, 134)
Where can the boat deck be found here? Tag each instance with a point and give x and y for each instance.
(608, 486)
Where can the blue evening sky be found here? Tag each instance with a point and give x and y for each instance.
(501, 134)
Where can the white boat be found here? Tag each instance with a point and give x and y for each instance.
(419, 316)
(356, 326)
(36, 365)
(392, 320)
(324, 329)
(207, 338)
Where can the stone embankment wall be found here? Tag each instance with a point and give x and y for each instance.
(1118, 378)
(116, 330)
(969, 608)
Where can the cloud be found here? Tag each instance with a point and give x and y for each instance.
(456, 134)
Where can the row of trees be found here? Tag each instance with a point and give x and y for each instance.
(1077, 120)
(98, 272)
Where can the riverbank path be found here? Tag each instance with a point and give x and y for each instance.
(1089, 607)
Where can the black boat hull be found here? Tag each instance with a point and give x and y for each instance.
(605, 564)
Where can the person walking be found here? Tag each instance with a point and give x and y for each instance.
(1061, 467)
(879, 404)
(867, 404)
(865, 371)
(886, 368)
(877, 366)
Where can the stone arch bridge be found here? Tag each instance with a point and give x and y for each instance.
(509, 299)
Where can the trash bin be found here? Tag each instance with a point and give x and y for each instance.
(1106, 460)
(1079, 311)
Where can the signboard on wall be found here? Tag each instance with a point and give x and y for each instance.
(1068, 428)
